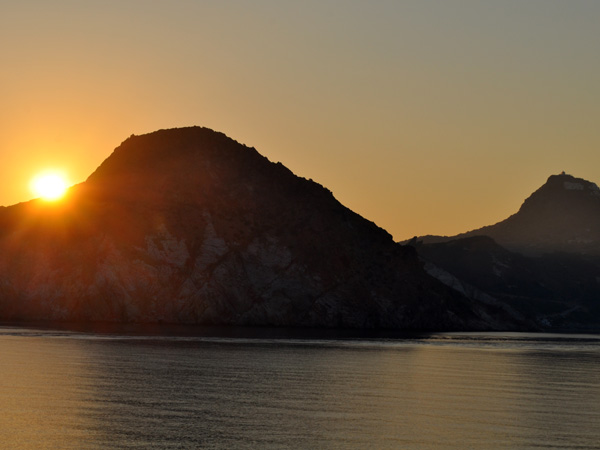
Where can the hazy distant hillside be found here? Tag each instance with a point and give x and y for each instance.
(542, 262)
(189, 226)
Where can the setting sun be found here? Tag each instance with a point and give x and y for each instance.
(49, 185)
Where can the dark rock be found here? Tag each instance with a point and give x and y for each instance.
(557, 291)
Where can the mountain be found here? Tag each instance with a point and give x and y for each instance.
(542, 263)
(562, 215)
(189, 226)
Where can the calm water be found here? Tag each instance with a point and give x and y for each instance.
(79, 390)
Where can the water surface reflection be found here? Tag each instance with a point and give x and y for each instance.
(74, 390)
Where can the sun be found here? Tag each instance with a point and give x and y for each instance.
(49, 185)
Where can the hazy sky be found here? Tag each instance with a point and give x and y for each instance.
(426, 117)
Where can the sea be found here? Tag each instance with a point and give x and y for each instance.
(70, 387)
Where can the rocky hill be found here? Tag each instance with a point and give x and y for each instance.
(189, 226)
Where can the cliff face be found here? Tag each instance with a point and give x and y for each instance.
(189, 226)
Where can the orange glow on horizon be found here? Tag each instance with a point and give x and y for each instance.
(422, 117)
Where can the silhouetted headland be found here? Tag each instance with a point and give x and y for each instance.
(189, 226)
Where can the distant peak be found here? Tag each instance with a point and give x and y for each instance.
(561, 215)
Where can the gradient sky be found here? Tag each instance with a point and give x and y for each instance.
(426, 117)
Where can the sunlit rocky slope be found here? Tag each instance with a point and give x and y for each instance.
(189, 226)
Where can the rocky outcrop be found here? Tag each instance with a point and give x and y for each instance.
(189, 226)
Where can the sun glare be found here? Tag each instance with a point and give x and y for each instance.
(49, 185)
